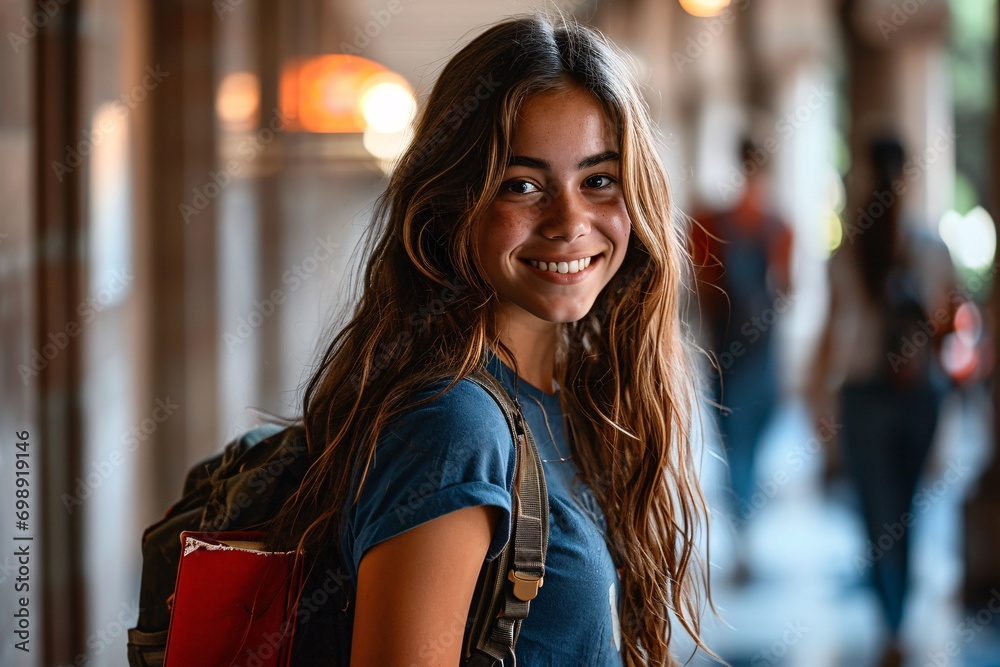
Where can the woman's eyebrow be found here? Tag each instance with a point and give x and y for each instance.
(594, 160)
(544, 165)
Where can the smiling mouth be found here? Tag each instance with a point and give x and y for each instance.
(573, 266)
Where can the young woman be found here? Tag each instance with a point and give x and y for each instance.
(527, 230)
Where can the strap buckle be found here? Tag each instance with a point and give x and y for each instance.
(525, 585)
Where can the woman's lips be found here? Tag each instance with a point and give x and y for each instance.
(562, 266)
(566, 278)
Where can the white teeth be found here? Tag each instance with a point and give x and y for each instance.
(574, 266)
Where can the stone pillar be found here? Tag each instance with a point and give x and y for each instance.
(270, 29)
(183, 253)
(898, 81)
(982, 509)
(60, 274)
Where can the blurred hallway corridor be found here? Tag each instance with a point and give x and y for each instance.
(806, 604)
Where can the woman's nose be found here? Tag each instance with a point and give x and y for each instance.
(567, 215)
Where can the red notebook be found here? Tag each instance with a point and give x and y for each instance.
(234, 603)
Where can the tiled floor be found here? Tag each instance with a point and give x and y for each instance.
(807, 604)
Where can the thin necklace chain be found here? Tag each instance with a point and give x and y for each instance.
(545, 416)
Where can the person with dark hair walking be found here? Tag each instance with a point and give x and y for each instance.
(879, 369)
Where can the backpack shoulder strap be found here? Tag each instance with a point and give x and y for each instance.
(509, 582)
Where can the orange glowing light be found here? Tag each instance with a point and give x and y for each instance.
(704, 8)
(324, 93)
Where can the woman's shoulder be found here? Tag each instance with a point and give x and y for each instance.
(448, 420)
(452, 451)
(456, 403)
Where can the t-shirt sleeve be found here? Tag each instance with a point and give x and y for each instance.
(453, 452)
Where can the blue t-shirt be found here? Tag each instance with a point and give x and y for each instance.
(457, 452)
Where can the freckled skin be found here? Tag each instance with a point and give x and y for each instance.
(556, 210)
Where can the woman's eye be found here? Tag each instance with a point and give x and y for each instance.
(599, 181)
(520, 187)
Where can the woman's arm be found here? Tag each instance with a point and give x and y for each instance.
(415, 589)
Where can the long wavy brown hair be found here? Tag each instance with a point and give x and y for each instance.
(426, 313)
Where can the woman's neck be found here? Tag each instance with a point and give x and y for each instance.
(533, 344)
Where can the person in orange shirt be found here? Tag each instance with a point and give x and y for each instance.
(743, 257)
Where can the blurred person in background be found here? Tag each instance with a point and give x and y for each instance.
(892, 303)
(743, 255)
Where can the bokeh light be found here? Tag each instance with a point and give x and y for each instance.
(834, 198)
(971, 238)
(389, 105)
(238, 101)
(704, 8)
(324, 93)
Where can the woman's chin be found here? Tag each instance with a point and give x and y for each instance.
(565, 315)
(554, 311)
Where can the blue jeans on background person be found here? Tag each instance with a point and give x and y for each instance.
(750, 395)
(886, 440)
